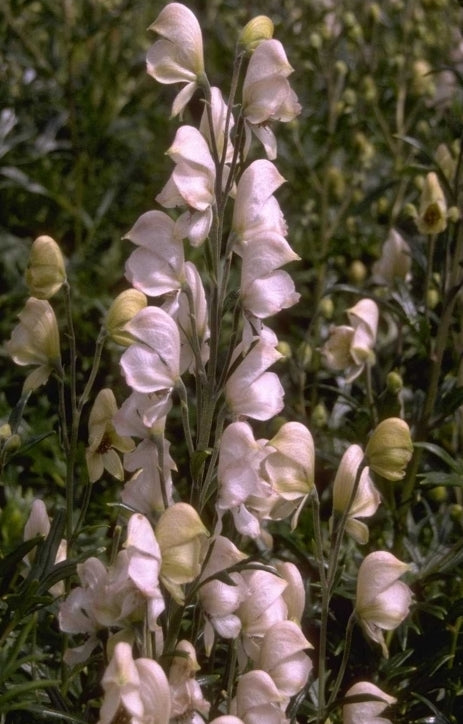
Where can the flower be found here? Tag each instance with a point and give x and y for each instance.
(366, 712)
(192, 183)
(35, 341)
(38, 523)
(395, 260)
(124, 307)
(267, 95)
(251, 390)
(350, 348)
(220, 599)
(186, 693)
(255, 31)
(366, 499)
(390, 448)
(282, 655)
(104, 440)
(152, 362)
(156, 266)
(263, 606)
(135, 688)
(258, 699)
(182, 538)
(45, 273)
(382, 601)
(289, 467)
(432, 212)
(178, 56)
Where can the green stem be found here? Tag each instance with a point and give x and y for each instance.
(345, 658)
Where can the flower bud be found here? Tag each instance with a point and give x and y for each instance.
(35, 341)
(394, 383)
(390, 448)
(432, 214)
(122, 310)
(363, 712)
(258, 29)
(45, 273)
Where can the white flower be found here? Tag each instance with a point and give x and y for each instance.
(178, 56)
(366, 499)
(382, 600)
(366, 712)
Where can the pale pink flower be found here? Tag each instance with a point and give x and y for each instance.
(156, 267)
(145, 491)
(178, 56)
(189, 309)
(137, 688)
(263, 606)
(265, 288)
(258, 700)
(152, 363)
(382, 600)
(186, 693)
(192, 184)
(38, 523)
(350, 348)
(366, 500)
(282, 655)
(251, 390)
(395, 260)
(239, 477)
(294, 593)
(219, 599)
(267, 95)
(256, 213)
(366, 712)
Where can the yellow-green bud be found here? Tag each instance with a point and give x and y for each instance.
(304, 354)
(122, 310)
(394, 383)
(326, 307)
(446, 161)
(357, 272)
(258, 29)
(45, 273)
(284, 349)
(438, 494)
(453, 214)
(319, 415)
(390, 448)
(432, 298)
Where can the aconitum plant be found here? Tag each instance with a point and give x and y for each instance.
(195, 618)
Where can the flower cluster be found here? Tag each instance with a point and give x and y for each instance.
(206, 276)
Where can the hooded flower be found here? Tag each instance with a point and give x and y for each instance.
(432, 213)
(152, 363)
(182, 539)
(134, 688)
(251, 390)
(366, 712)
(258, 699)
(156, 266)
(192, 184)
(282, 655)
(350, 348)
(366, 499)
(104, 440)
(45, 273)
(178, 56)
(267, 95)
(395, 260)
(35, 341)
(186, 693)
(382, 600)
